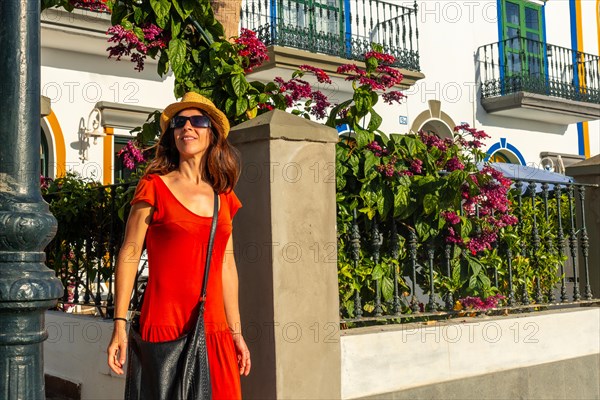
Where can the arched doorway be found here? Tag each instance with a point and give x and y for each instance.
(434, 120)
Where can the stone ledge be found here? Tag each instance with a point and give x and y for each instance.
(286, 58)
(282, 126)
(538, 107)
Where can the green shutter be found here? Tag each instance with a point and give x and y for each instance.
(523, 38)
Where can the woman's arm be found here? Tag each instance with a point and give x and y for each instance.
(232, 310)
(126, 269)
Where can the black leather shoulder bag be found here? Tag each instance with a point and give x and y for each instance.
(177, 369)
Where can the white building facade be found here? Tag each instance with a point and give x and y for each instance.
(525, 71)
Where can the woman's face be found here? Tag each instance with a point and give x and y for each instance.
(191, 141)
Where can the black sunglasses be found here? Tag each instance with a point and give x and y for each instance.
(197, 121)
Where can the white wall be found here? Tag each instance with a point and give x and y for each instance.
(450, 32)
(76, 351)
(381, 360)
(76, 73)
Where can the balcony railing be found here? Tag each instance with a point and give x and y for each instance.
(524, 65)
(329, 27)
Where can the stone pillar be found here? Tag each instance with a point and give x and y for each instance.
(588, 171)
(27, 286)
(227, 13)
(286, 253)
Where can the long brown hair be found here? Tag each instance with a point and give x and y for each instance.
(220, 162)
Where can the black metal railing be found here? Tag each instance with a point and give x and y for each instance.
(330, 27)
(83, 253)
(524, 65)
(546, 268)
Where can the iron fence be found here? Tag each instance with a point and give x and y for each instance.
(83, 252)
(343, 28)
(557, 225)
(519, 64)
(84, 258)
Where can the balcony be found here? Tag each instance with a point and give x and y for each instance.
(328, 33)
(528, 79)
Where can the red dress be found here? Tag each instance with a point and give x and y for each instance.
(176, 244)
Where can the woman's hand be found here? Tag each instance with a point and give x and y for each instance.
(117, 348)
(243, 354)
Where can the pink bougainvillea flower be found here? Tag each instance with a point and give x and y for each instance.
(131, 155)
(251, 47)
(321, 75)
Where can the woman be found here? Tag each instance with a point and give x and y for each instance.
(172, 212)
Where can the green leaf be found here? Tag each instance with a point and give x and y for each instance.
(177, 55)
(271, 87)
(430, 203)
(465, 227)
(126, 24)
(475, 264)
(335, 111)
(485, 281)
(182, 13)
(119, 12)
(387, 288)
(163, 63)
(371, 64)
(229, 106)
(369, 197)
(138, 32)
(472, 281)
(385, 201)
(411, 146)
(423, 229)
(241, 105)
(378, 272)
(161, 9)
(375, 121)
(400, 199)
(252, 102)
(363, 138)
(138, 15)
(175, 29)
(261, 87)
(362, 101)
(239, 85)
(370, 162)
(354, 162)
(456, 274)
(386, 140)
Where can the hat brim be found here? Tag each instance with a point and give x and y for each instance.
(218, 120)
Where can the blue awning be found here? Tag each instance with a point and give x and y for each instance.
(517, 172)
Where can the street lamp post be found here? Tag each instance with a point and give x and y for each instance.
(27, 286)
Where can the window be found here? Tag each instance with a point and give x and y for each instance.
(523, 39)
(437, 127)
(44, 155)
(121, 173)
(504, 152)
(321, 16)
(502, 156)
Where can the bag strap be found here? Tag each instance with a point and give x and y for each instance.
(211, 239)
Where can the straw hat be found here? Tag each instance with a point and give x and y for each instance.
(194, 100)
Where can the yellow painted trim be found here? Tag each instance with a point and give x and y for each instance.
(582, 75)
(59, 143)
(598, 22)
(586, 139)
(108, 155)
